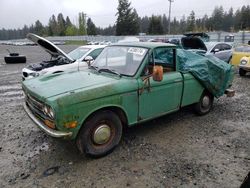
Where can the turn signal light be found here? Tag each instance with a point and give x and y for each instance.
(71, 125)
(50, 124)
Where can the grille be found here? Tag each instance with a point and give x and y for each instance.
(36, 107)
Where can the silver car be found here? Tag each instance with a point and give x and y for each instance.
(220, 50)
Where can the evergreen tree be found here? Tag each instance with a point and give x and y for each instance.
(144, 24)
(155, 25)
(61, 24)
(52, 31)
(217, 18)
(38, 28)
(82, 24)
(68, 22)
(127, 22)
(91, 28)
(191, 22)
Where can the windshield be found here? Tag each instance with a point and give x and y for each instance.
(209, 45)
(78, 53)
(242, 49)
(124, 60)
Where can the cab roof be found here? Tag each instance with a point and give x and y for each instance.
(149, 45)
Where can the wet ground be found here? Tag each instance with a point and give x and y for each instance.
(177, 150)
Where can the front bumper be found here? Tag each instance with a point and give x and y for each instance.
(49, 131)
(245, 67)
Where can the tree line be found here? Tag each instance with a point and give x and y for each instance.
(129, 23)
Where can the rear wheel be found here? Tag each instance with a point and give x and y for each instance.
(242, 72)
(100, 134)
(205, 104)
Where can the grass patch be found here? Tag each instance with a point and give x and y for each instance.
(75, 42)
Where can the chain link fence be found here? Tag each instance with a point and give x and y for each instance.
(238, 38)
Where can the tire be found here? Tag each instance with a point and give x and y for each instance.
(14, 59)
(14, 54)
(100, 134)
(242, 72)
(205, 104)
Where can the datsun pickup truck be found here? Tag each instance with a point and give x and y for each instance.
(128, 83)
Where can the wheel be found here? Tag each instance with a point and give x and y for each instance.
(242, 72)
(100, 134)
(205, 104)
(15, 59)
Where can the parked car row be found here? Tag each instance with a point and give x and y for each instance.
(128, 83)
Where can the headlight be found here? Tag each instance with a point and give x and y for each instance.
(48, 111)
(51, 113)
(45, 110)
(34, 74)
(243, 62)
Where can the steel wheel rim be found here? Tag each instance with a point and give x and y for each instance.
(102, 134)
(205, 101)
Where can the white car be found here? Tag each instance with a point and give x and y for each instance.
(220, 50)
(60, 61)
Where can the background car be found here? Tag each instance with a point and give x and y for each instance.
(244, 66)
(190, 42)
(60, 61)
(220, 50)
(239, 52)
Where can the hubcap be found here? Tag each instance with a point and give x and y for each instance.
(205, 101)
(102, 134)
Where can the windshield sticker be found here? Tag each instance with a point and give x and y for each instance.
(137, 51)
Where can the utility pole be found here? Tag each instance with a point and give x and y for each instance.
(169, 16)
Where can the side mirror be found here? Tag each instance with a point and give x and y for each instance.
(157, 73)
(88, 60)
(216, 50)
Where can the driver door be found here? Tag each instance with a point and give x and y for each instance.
(158, 98)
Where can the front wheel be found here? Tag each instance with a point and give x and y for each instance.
(100, 134)
(205, 104)
(242, 72)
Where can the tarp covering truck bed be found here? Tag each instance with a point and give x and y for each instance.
(214, 74)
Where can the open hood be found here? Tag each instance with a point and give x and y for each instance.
(194, 43)
(49, 47)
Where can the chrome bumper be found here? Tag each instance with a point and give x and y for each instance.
(51, 132)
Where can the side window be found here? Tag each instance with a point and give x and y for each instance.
(164, 57)
(227, 47)
(217, 46)
(95, 53)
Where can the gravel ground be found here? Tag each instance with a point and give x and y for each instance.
(177, 150)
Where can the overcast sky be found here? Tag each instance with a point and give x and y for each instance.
(16, 13)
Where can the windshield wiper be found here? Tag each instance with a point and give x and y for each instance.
(109, 70)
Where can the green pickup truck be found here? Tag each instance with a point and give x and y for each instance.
(126, 85)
